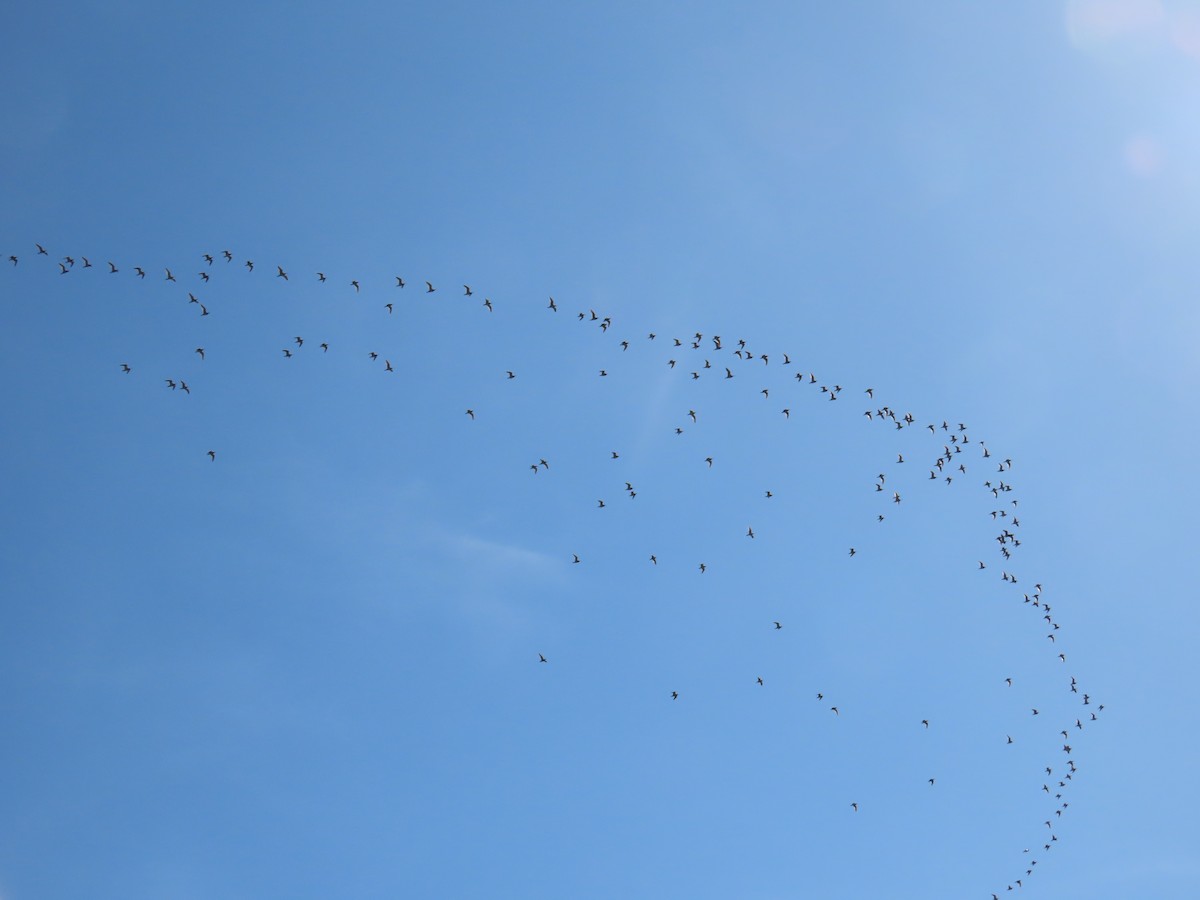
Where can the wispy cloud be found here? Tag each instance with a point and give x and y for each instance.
(498, 556)
(491, 584)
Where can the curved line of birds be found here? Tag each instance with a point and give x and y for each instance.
(945, 466)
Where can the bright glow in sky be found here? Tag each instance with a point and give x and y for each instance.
(310, 666)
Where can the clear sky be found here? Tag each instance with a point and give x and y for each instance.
(310, 666)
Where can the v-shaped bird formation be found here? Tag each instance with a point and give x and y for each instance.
(954, 457)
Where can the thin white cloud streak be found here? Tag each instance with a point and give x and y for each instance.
(498, 556)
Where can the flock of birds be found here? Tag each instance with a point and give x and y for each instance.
(698, 356)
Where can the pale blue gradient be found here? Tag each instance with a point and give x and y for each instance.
(309, 668)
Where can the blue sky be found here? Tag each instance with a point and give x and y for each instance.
(310, 667)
